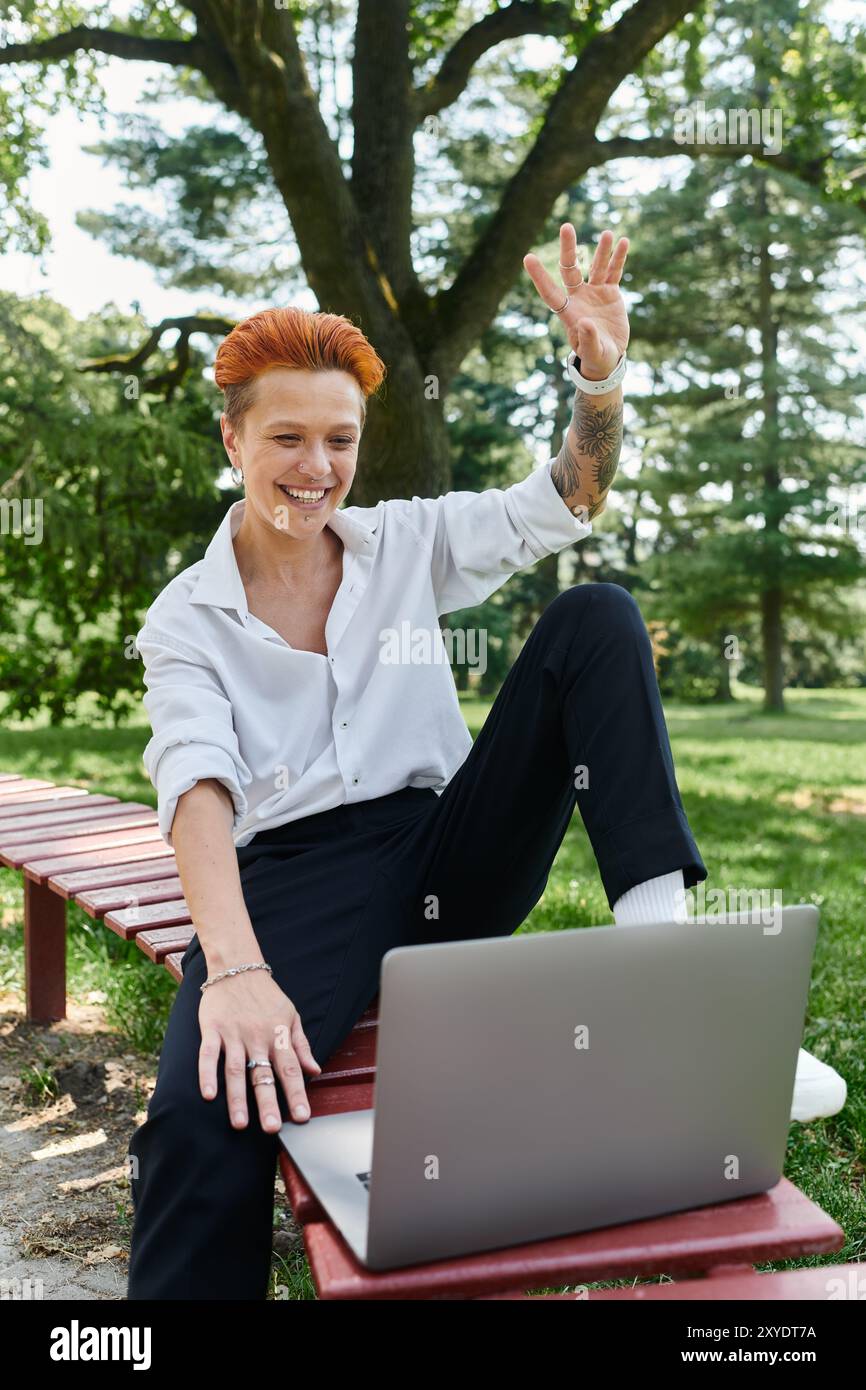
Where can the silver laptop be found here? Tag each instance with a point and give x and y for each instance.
(535, 1085)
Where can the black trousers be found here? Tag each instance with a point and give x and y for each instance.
(329, 894)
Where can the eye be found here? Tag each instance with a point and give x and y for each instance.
(291, 437)
(344, 441)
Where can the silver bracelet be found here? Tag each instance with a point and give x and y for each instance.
(237, 970)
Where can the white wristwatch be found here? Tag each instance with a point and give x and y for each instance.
(595, 388)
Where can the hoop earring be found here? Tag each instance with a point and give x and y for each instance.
(237, 475)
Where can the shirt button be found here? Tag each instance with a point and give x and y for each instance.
(355, 781)
(344, 723)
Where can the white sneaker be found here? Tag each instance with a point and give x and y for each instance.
(818, 1089)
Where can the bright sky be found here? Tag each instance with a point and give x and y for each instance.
(79, 270)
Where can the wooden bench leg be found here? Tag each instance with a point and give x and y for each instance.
(44, 952)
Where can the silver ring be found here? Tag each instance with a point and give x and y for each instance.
(258, 1062)
(564, 306)
(563, 266)
(264, 1081)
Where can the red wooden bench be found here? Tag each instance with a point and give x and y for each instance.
(64, 839)
(108, 856)
(703, 1246)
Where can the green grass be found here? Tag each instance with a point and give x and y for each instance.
(775, 801)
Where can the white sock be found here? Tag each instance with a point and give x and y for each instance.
(657, 900)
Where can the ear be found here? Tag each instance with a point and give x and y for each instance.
(230, 439)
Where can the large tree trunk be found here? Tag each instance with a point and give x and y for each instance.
(404, 448)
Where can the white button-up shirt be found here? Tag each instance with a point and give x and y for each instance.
(289, 732)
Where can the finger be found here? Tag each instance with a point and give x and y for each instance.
(264, 1085)
(552, 293)
(569, 264)
(302, 1047)
(598, 269)
(208, 1058)
(617, 261)
(236, 1082)
(290, 1077)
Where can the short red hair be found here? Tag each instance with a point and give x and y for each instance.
(290, 337)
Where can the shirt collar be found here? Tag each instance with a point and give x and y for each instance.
(219, 583)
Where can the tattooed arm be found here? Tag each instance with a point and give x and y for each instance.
(593, 314)
(584, 468)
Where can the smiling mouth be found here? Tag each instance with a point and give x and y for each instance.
(305, 496)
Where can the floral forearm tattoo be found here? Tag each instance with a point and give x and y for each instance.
(588, 471)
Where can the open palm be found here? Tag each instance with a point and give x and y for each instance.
(594, 316)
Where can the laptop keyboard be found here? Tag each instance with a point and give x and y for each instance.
(364, 1178)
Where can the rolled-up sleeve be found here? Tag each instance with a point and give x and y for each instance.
(478, 539)
(193, 731)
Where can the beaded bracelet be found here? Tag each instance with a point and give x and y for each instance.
(237, 970)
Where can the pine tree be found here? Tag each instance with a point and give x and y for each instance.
(749, 434)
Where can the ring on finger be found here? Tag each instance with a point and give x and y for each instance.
(258, 1062)
(264, 1081)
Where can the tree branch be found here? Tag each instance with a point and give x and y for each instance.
(520, 18)
(383, 161)
(562, 153)
(339, 258)
(179, 53)
(199, 52)
(811, 171)
(131, 363)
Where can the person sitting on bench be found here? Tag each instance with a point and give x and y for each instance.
(325, 802)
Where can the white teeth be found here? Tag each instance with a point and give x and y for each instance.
(304, 495)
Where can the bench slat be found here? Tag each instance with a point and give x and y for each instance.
(163, 941)
(33, 803)
(370, 1017)
(139, 830)
(41, 869)
(93, 818)
(25, 784)
(128, 921)
(777, 1225)
(69, 883)
(353, 1062)
(97, 901)
(172, 965)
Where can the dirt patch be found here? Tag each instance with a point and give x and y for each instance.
(71, 1095)
(70, 1098)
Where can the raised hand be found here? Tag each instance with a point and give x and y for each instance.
(594, 314)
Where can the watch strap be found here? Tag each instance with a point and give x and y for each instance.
(595, 388)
